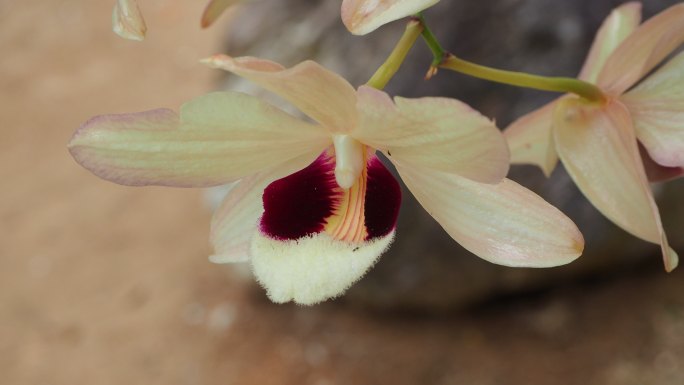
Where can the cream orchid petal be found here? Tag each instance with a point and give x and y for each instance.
(645, 48)
(214, 9)
(503, 223)
(364, 16)
(235, 221)
(621, 22)
(657, 107)
(218, 138)
(657, 172)
(530, 141)
(599, 150)
(127, 20)
(321, 94)
(439, 133)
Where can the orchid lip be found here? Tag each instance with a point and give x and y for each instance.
(316, 238)
(310, 202)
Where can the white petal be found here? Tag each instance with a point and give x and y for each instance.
(312, 269)
(530, 141)
(219, 138)
(364, 16)
(503, 223)
(657, 107)
(599, 150)
(319, 93)
(642, 50)
(438, 133)
(235, 221)
(621, 22)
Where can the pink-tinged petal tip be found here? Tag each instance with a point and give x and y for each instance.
(101, 145)
(218, 138)
(670, 257)
(214, 9)
(321, 94)
(643, 50)
(364, 16)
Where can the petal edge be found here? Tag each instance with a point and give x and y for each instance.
(504, 223)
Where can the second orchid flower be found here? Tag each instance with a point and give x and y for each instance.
(599, 142)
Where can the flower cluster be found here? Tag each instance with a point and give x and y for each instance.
(599, 143)
(313, 206)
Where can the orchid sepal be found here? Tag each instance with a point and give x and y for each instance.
(211, 142)
(364, 16)
(598, 147)
(127, 20)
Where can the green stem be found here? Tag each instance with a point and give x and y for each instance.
(521, 79)
(443, 59)
(390, 67)
(431, 40)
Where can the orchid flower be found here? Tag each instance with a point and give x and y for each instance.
(314, 207)
(365, 16)
(599, 142)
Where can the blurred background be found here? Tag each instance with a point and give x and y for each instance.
(104, 284)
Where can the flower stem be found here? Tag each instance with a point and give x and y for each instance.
(390, 67)
(521, 79)
(430, 39)
(443, 59)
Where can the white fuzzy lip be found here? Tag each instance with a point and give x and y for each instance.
(312, 269)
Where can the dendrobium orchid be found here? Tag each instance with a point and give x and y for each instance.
(597, 141)
(365, 16)
(314, 207)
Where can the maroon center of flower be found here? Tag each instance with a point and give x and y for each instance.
(383, 198)
(301, 204)
(297, 205)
